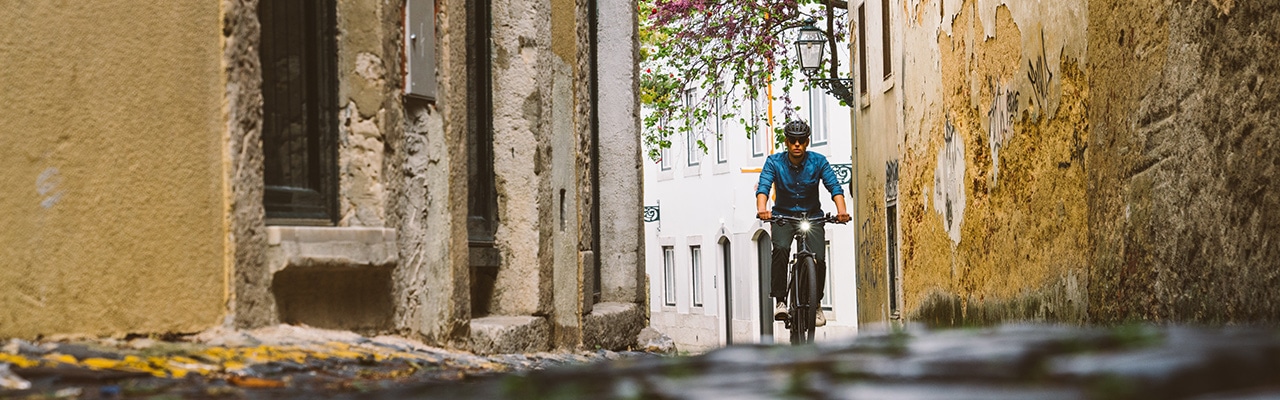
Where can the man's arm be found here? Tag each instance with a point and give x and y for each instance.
(762, 206)
(841, 215)
(837, 193)
(762, 191)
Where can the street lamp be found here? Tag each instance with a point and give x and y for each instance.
(811, 43)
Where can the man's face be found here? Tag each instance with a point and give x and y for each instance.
(797, 147)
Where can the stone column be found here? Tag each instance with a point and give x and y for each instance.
(621, 176)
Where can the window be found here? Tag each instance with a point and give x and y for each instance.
(818, 116)
(891, 233)
(826, 299)
(760, 140)
(862, 48)
(886, 39)
(695, 253)
(695, 131)
(299, 106)
(722, 154)
(695, 152)
(664, 159)
(669, 272)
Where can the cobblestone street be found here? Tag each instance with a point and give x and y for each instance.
(1010, 362)
(1007, 362)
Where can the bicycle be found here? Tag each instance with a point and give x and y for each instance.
(802, 282)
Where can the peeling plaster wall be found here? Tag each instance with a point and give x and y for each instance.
(426, 177)
(1097, 161)
(993, 115)
(369, 111)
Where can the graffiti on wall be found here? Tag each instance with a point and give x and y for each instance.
(948, 182)
(1004, 105)
(869, 246)
(1040, 76)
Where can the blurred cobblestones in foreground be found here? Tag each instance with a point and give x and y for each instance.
(1006, 362)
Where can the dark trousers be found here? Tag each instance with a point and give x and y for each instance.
(783, 236)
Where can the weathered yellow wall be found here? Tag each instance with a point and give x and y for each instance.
(1022, 250)
(1080, 161)
(988, 133)
(112, 163)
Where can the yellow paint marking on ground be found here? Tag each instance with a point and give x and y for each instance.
(60, 358)
(17, 360)
(100, 363)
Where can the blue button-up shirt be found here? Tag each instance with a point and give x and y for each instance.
(798, 184)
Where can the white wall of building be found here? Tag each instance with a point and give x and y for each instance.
(710, 201)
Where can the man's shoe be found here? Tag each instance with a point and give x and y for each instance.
(780, 312)
(819, 319)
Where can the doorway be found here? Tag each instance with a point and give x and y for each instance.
(726, 265)
(764, 250)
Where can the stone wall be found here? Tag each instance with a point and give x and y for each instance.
(431, 282)
(250, 302)
(1182, 164)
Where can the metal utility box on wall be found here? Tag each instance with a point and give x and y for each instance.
(420, 49)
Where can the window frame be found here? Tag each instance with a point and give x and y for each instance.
(886, 38)
(759, 140)
(863, 81)
(826, 302)
(695, 270)
(722, 151)
(693, 133)
(310, 102)
(818, 117)
(669, 275)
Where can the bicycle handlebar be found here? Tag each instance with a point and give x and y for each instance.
(827, 218)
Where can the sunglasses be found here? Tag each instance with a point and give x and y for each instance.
(797, 141)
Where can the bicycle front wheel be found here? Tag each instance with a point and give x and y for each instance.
(809, 296)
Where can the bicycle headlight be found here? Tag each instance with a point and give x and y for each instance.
(804, 226)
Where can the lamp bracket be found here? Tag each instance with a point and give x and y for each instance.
(839, 88)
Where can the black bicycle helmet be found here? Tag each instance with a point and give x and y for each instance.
(796, 129)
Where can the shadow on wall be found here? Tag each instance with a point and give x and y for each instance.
(349, 298)
(944, 310)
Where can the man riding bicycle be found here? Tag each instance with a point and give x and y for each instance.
(796, 174)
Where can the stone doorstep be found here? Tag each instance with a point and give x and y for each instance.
(323, 234)
(510, 334)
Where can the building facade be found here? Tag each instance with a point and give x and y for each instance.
(707, 254)
(420, 167)
(1098, 161)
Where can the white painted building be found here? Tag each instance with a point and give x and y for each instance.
(705, 248)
